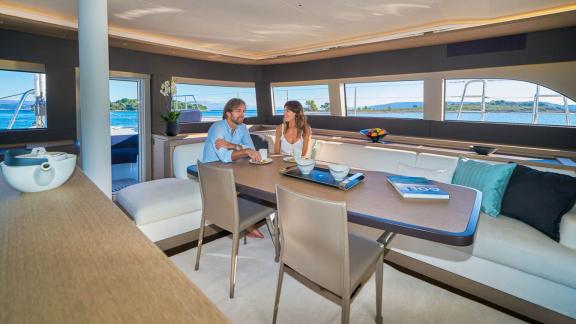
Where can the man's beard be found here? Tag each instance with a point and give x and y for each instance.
(237, 121)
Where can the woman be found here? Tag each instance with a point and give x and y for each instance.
(293, 135)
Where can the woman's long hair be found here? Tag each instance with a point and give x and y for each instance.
(301, 124)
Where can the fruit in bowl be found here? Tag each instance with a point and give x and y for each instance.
(339, 171)
(374, 134)
(305, 165)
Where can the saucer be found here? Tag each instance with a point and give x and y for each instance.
(267, 161)
(289, 159)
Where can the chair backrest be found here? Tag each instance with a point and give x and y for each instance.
(314, 238)
(184, 156)
(219, 201)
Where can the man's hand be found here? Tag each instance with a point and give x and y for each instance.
(254, 155)
(223, 143)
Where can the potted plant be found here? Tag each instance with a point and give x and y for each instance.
(168, 89)
(171, 119)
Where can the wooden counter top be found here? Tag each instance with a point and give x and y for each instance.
(70, 255)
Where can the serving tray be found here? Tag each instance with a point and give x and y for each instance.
(322, 176)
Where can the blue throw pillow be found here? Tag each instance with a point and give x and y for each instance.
(491, 180)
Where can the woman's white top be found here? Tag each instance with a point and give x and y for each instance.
(288, 148)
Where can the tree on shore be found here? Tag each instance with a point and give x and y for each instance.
(180, 105)
(124, 104)
(311, 105)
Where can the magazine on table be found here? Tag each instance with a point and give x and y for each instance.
(417, 187)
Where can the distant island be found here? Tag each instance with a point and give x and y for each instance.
(498, 106)
(126, 104)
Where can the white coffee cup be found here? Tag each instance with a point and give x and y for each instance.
(263, 153)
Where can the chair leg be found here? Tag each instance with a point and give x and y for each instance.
(345, 310)
(245, 240)
(234, 262)
(200, 238)
(379, 274)
(274, 236)
(278, 291)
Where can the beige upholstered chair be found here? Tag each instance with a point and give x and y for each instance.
(318, 251)
(222, 207)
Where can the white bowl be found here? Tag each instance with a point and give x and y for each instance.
(36, 178)
(339, 171)
(305, 165)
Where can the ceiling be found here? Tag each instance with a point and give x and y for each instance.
(279, 31)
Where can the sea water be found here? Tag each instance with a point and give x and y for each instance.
(129, 119)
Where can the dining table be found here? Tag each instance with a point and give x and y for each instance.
(373, 202)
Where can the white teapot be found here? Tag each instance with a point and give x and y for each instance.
(37, 170)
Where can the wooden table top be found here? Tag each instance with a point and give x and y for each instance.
(69, 255)
(374, 202)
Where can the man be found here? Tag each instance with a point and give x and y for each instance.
(229, 140)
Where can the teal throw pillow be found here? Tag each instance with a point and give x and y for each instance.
(491, 180)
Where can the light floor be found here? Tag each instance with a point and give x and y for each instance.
(405, 300)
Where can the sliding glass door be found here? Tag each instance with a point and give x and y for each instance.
(127, 126)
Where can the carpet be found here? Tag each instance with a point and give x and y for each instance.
(405, 299)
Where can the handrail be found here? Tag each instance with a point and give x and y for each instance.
(17, 111)
(483, 96)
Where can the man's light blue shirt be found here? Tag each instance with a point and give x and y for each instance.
(221, 129)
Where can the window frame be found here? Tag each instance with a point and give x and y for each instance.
(26, 67)
(534, 113)
(300, 84)
(380, 80)
(218, 83)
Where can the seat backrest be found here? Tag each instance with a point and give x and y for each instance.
(184, 156)
(219, 201)
(259, 141)
(363, 157)
(314, 238)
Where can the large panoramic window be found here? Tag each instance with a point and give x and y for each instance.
(199, 102)
(507, 101)
(314, 98)
(394, 99)
(22, 100)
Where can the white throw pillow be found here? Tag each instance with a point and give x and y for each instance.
(432, 174)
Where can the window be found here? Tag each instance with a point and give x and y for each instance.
(507, 101)
(22, 100)
(210, 100)
(314, 98)
(395, 99)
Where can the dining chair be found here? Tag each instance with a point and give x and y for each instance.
(317, 251)
(222, 207)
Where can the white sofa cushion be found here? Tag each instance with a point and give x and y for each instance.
(156, 200)
(510, 242)
(363, 157)
(184, 156)
(432, 174)
(438, 162)
(568, 230)
(172, 226)
(534, 289)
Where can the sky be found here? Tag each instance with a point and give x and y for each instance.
(15, 82)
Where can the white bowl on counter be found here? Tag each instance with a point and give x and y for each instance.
(305, 165)
(339, 171)
(56, 169)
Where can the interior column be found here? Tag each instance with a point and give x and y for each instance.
(94, 93)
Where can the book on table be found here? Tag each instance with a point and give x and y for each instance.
(417, 187)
